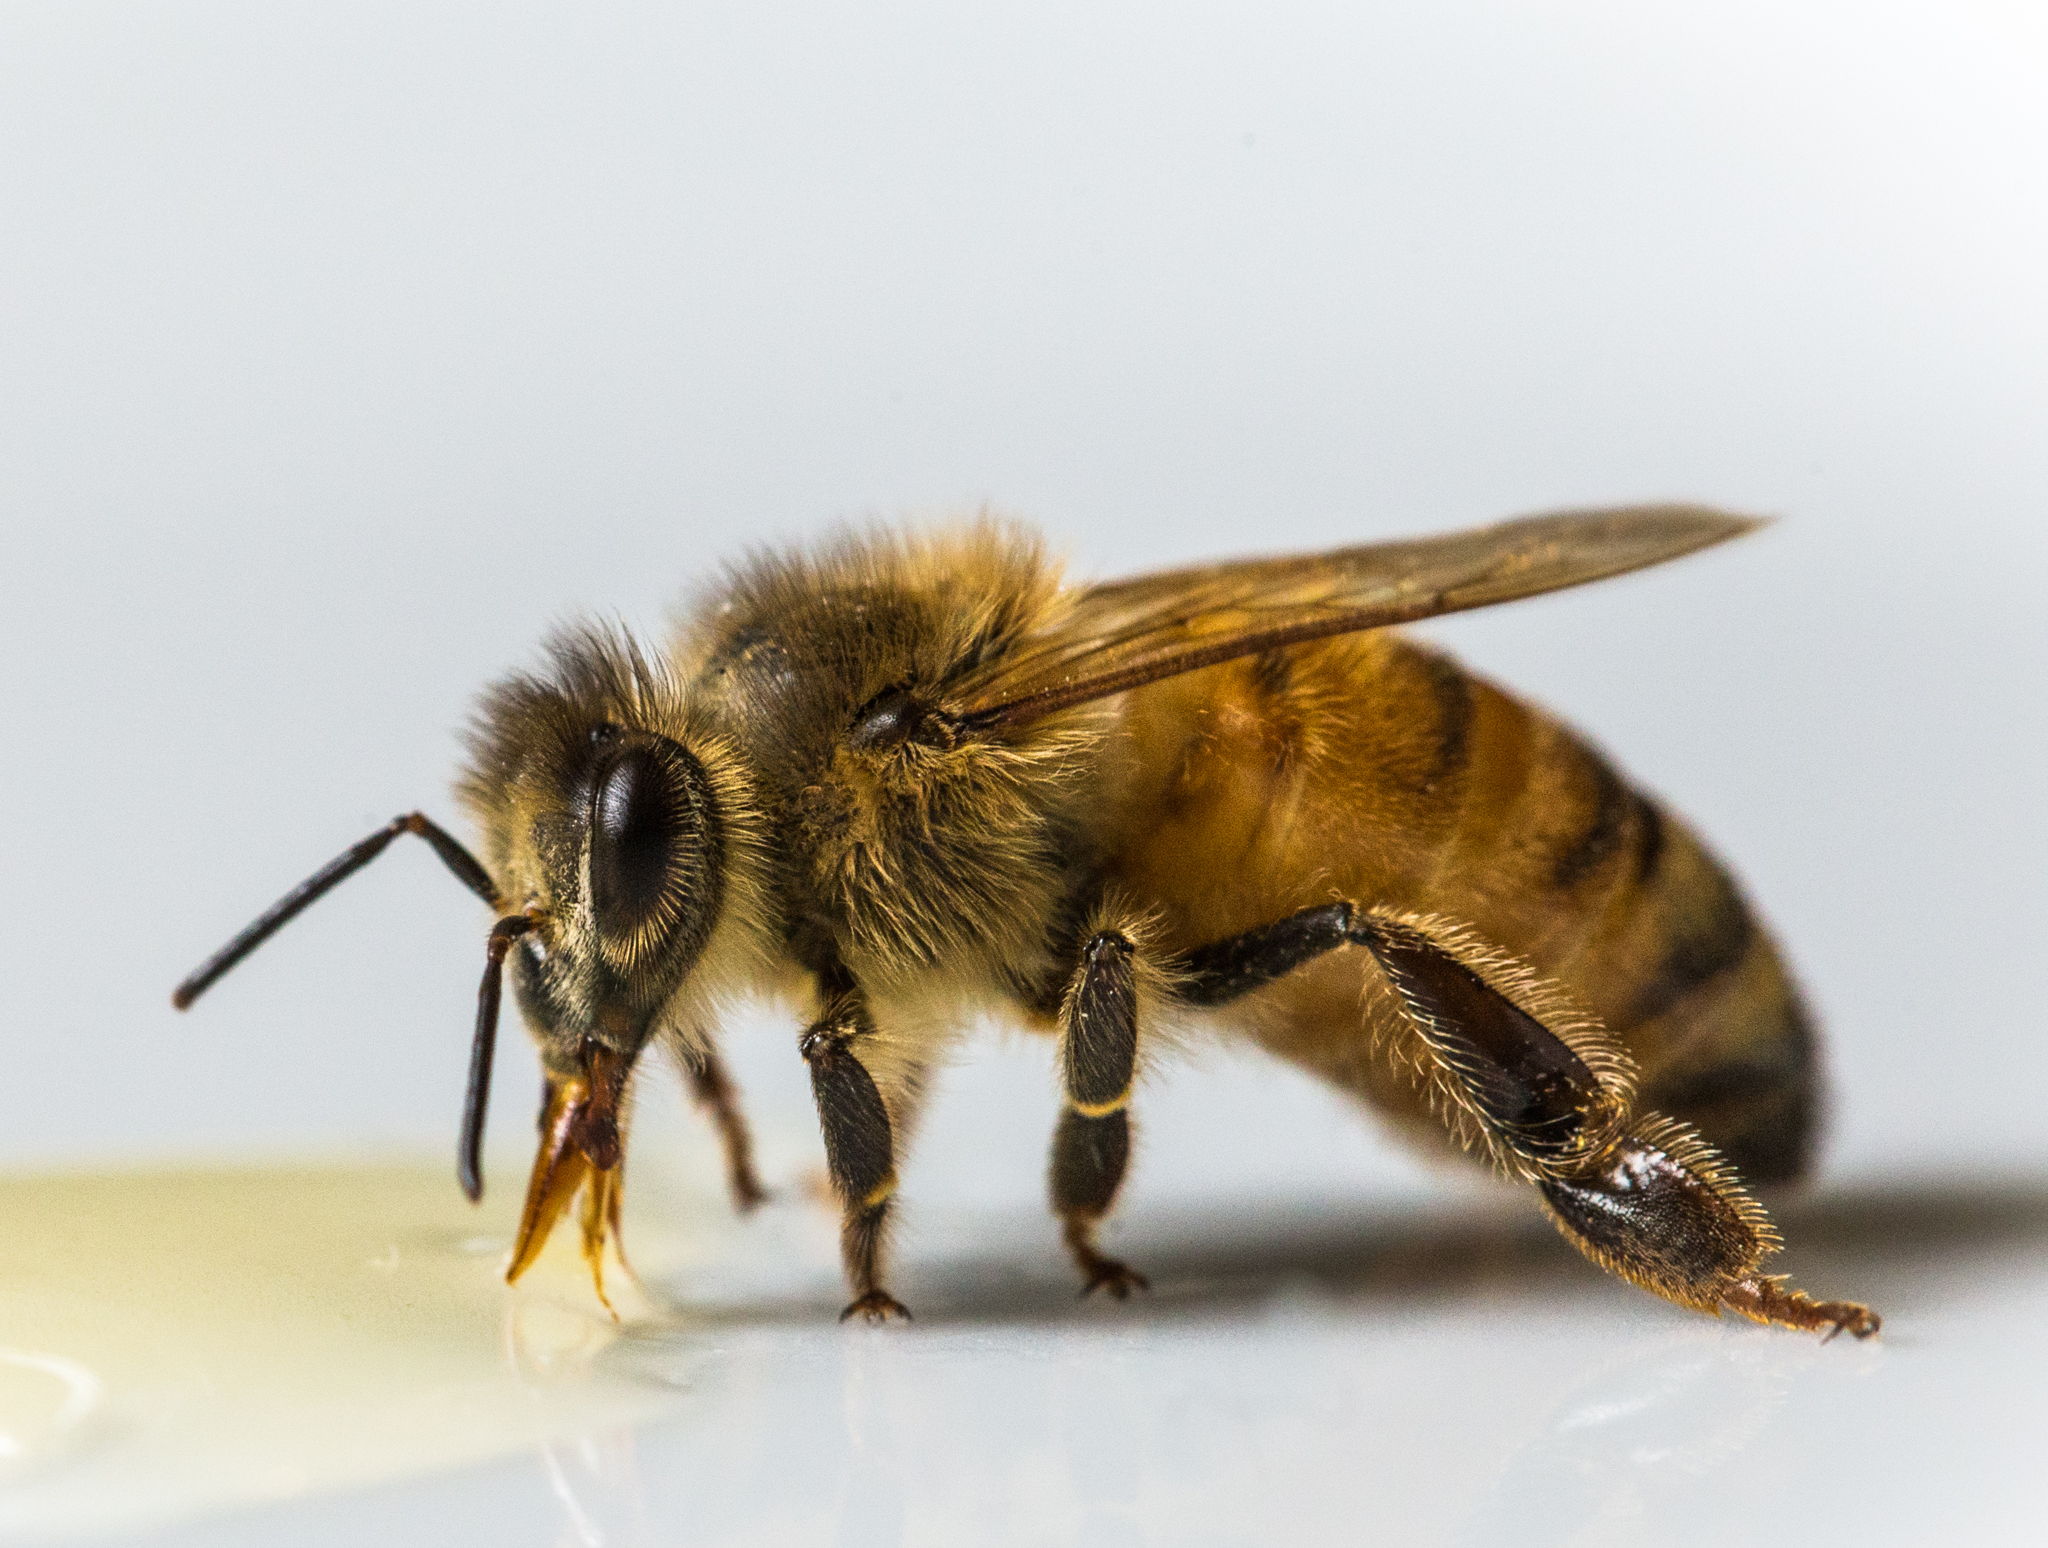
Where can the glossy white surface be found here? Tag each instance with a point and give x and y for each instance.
(347, 347)
(1337, 1352)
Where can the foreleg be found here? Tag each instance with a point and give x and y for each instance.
(712, 1090)
(860, 1144)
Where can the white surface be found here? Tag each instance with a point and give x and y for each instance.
(1310, 1371)
(346, 347)
(1424, 1364)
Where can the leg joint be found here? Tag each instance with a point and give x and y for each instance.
(1105, 948)
(1103, 1109)
(825, 1041)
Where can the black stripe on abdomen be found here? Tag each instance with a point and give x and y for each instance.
(1606, 825)
(1451, 689)
(1649, 841)
(1711, 938)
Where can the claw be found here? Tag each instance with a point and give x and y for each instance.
(1115, 1278)
(876, 1306)
(1767, 1298)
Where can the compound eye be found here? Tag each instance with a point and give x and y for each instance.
(638, 824)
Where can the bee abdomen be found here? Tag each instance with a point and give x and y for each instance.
(1711, 933)
(1684, 974)
(1411, 784)
(1544, 848)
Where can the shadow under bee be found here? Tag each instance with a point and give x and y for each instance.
(1914, 1241)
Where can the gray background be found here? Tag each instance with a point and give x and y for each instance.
(345, 348)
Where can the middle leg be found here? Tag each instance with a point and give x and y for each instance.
(1098, 1063)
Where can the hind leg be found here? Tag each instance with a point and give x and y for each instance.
(1549, 1099)
(1661, 1210)
(1640, 1194)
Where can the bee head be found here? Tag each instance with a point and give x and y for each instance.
(621, 868)
(616, 826)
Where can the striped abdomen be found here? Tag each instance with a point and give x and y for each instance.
(1372, 769)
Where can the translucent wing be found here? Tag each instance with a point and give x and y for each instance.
(1128, 633)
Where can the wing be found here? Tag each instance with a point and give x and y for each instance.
(1128, 633)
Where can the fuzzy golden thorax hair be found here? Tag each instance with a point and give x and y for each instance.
(626, 826)
(902, 843)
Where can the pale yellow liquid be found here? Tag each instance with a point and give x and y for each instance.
(175, 1342)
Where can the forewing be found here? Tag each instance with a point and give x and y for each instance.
(1127, 633)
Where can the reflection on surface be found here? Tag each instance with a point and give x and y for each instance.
(1330, 1373)
(589, 1469)
(1642, 1437)
(46, 1404)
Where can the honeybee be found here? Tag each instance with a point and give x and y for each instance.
(909, 778)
